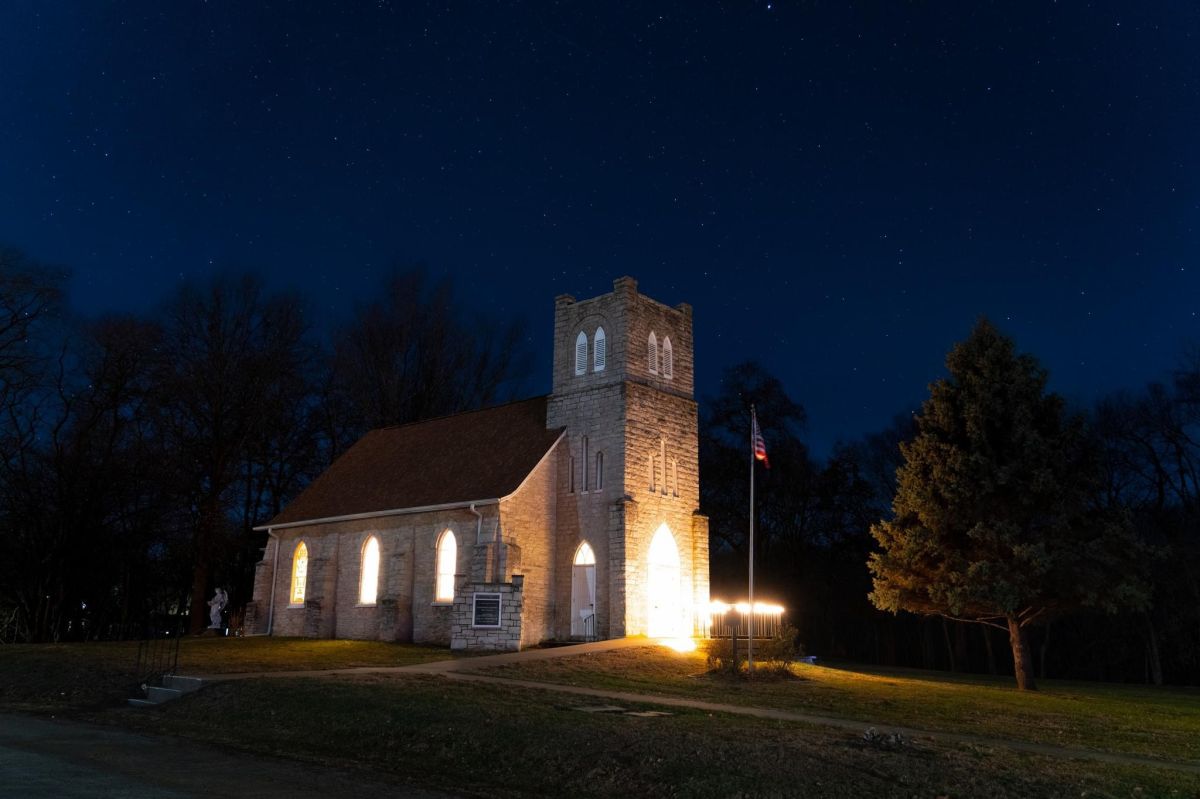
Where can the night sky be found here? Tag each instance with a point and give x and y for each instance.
(838, 191)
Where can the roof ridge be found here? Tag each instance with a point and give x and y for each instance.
(457, 414)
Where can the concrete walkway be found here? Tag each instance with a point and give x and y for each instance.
(466, 669)
(46, 759)
(460, 664)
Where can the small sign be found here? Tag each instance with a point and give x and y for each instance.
(486, 610)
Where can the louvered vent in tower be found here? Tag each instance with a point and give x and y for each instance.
(581, 353)
(599, 350)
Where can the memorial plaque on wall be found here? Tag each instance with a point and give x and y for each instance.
(487, 610)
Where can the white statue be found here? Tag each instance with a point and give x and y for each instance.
(217, 603)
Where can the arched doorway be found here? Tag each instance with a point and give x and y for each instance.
(583, 593)
(664, 611)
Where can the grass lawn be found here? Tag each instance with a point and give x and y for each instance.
(48, 678)
(1132, 719)
(495, 740)
(488, 740)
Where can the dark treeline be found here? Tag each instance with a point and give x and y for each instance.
(137, 453)
(813, 536)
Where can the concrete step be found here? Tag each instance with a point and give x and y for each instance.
(160, 695)
(183, 684)
(141, 703)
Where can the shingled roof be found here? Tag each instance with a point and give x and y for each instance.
(462, 458)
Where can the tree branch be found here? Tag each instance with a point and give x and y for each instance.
(976, 621)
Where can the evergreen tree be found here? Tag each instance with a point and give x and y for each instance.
(995, 519)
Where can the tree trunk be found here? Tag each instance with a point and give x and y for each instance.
(991, 654)
(1022, 665)
(949, 647)
(928, 660)
(1153, 659)
(206, 531)
(197, 618)
(1042, 653)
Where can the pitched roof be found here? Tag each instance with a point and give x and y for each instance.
(470, 456)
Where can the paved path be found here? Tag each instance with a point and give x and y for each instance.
(531, 655)
(45, 759)
(469, 663)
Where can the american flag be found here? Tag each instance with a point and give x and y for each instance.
(760, 446)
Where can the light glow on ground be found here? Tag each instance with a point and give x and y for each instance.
(681, 645)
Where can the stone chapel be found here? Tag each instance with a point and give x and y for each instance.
(572, 516)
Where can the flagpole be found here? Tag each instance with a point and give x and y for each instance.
(750, 638)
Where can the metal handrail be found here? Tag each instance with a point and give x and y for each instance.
(589, 628)
(157, 656)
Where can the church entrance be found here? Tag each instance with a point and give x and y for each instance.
(583, 593)
(664, 617)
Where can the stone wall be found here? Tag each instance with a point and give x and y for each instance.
(583, 513)
(700, 573)
(528, 528)
(405, 608)
(661, 433)
(465, 636)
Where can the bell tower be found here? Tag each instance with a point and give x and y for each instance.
(629, 473)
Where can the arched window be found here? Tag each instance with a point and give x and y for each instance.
(581, 353)
(571, 475)
(652, 353)
(584, 556)
(668, 359)
(599, 470)
(599, 350)
(447, 560)
(368, 581)
(299, 573)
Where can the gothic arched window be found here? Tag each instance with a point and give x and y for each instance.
(368, 580)
(299, 574)
(447, 557)
(668, 359)
(652, 353)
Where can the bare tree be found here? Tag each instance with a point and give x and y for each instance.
(228, 349)
(415, 353)
(29, 292)
(80, 502)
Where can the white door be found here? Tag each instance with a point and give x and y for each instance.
(583, 593)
